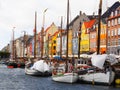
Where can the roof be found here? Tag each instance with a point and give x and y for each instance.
(112, 8)
(90, 23)
(71, 23)
(92, 16)
(49, 27)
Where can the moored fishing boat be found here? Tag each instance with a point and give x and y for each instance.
(12, 62)
(98, 77)
(60, 75)
(66, 74)
(39, 68)
(100, 72)
(65, 77)
(32, 72)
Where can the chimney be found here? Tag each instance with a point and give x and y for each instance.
(80, 13)
(93, 14)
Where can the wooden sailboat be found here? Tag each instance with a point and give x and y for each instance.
(59, 74)
(12, 61)
(28, 69)
(99, 75)
(39, 67)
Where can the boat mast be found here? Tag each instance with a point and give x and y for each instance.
(24, 43)
(61, 37)
(99, 27)
(66, 69)
(79, 40)
(13, 50)
(67, 31)
(35, 35)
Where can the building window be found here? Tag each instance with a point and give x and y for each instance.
(119, 20)
(75, 34)
(115, 31)
(54, 47)
(118, 31)
(58, 35)
(54, 41)
(114, 42)
(93, 36)
(112, 22)
(108, 42)
(115, 21)
(108, 33)
(108, 23)
(94, 26)
(111, 14)
(119, 41)
(111, 32)
(116, 13)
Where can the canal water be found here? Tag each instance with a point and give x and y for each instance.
(15, 79)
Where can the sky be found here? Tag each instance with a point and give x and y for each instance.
(21, 14)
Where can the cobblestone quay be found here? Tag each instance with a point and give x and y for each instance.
(15, 79)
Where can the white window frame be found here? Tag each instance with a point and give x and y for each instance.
(118, 31)
(108, 32)
(119, 20)
(108, 23)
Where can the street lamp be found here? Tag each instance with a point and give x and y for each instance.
(44, 16)
(42, 33)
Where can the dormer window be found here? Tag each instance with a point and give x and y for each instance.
(75, 34)
(94, 26)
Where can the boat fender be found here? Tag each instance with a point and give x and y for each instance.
(117, 81)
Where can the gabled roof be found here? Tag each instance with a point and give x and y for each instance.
(90, 23)
(112, 8)
(56, 33)
(30, 38)
(49, 27)
(89, 16)
(74, 20)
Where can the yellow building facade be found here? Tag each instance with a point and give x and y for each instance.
(70, 43)
(84, 43)
(48, 38)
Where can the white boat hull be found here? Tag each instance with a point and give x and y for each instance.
(99, 77)
(39, 68)
(67, 77)
(32, 72)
